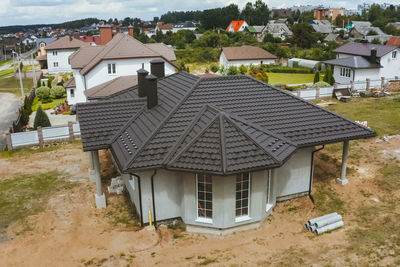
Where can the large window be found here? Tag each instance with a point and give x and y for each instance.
(111, 68)
(204, 198)
(344, 72)
(242, 196)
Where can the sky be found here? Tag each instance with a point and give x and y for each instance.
(25, 12)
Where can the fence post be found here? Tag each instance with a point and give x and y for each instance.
(382, 82)
(298, 92)
(9, 141)
(351, 86)
(368, 84)
(317, 92)
(71, 130)
(40, 135)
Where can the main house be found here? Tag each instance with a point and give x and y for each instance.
(245, 55)
(59, 51)
(123, 55)
(359, 61)
(216, 152)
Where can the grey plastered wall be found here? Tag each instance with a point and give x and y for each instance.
(133, 191)
(294, 176)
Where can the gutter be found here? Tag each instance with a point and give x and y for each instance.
(140, 200)
(312, 173)
(153, 200)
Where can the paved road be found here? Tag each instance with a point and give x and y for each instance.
(8, 113)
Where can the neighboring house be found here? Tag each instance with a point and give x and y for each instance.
(92, 40)
(322, 26)
(277, 29)
(322, 13)
(359, 61)
(59, 51)
(217, 152)
(362, 29)
(257, 31)
(122, 56)
(332, 37)
(164, 27)
(245, 55)
(187, 25)
(237, 26)
(41, 47)
(394, 41)
(281, 13)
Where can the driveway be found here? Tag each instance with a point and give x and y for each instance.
(8, 113)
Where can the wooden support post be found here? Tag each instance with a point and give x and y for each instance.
(298, 92)
(9, 141)
(40, 135)
(317, 92)
(71, 130)
(367, 88)
(382, 82)
(351, 87)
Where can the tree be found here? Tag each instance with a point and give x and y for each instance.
(214, 68)
(303, 35)
(242, 69)
(316, 77)
(41, 119)
(232, 70)
(329, 76)
(257, 14)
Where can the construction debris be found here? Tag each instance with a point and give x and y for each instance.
(324, 223)
(117, 185)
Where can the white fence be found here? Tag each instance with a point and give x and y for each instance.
(45, 134)
(360, 86)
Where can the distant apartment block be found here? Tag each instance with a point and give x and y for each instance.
(322, 13)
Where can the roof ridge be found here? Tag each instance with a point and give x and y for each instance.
(94, 103)
(312, 104)
(194, 139)
(163, 123)
(222, 142)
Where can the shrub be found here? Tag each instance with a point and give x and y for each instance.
(232, 70)
(262, 76)
(329, 76)
(316, 77)
(222, 69)
(57, 92)
(321, 84)
(41, 119)
(214, 68)
(242, 69)
(43, 92)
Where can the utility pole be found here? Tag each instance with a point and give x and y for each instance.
(33, 71)
(19, 60)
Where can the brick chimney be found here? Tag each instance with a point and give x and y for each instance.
(130, 31)
(142, 73)
(373, 55)
(105, 34)
(151, 91)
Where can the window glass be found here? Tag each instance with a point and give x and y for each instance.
(242, 194)
(204, 196)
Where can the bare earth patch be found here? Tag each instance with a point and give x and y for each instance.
(72, 232)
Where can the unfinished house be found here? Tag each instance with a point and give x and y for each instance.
(217, 152)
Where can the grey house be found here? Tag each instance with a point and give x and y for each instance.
(216, 152)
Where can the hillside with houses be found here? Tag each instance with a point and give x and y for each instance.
(249, 135)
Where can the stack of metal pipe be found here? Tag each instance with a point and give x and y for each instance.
(324, 223)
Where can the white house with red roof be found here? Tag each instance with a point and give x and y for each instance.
(237, 26)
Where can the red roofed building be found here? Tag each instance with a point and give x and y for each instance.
(237, 26)
(91, 39)
(394, 41)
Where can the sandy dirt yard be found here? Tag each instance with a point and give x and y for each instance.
(70, 231)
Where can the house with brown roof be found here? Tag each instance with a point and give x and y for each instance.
(217, 152)
(164, 27)
(59, 51)
(94, 67)
(245, 55)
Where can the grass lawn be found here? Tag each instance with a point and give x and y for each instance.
(11, 85)
(6, 72)
(56, 102)
(289, 78)
(5, 62)
(382, 114)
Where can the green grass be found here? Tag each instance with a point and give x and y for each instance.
(382, 114)
(11, 85)
(27, 151)
(6, 72)
(2, 63)
(56, 102)
(289, 78)
(23, 196)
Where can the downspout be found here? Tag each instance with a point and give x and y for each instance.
(140, 200)
(153, 200)
(312, 172)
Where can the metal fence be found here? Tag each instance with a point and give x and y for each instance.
(42, 135)
(360, 86)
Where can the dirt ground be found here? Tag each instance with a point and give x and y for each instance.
(72, 232)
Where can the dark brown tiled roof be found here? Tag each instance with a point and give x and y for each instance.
(363, 49)
(70, 83)
(111, 87)
(355, 62)
(246, 52)
(219, 125)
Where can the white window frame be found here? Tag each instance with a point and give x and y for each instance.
(55, 64)
(201, 218)
(269, 204)
(111, 69)
(345, 72)
(55, 53)
(394, 54)
(245, 217)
